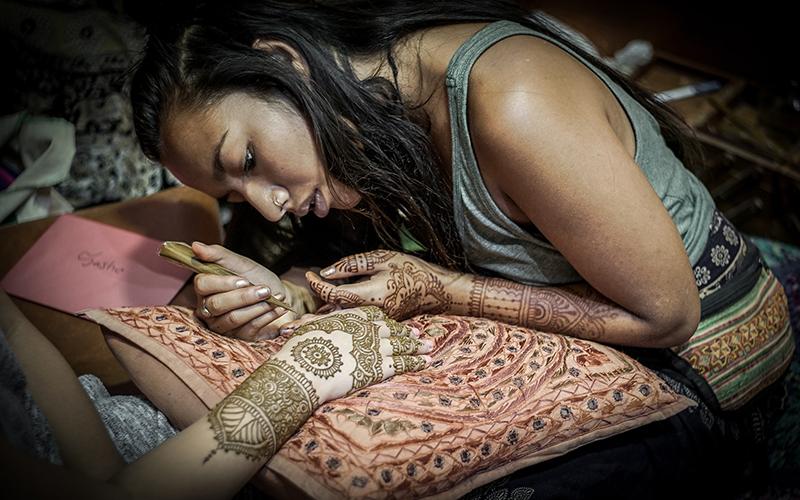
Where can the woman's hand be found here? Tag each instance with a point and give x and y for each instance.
(400, 284)
(349, 349)
(230, 305)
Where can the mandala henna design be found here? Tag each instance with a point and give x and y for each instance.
(414, 291)
(364, 262)
(404, 364)
(319, 356)
(404, 345)
(261, 414)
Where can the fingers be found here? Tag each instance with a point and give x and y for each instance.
(395, 365)
(328, 308)
(246, 321)
(273, 328)
(399, 329)
(331, 293)
(291, 326)
(224, 257)
(209, 284)
(400, 346)
(221, 303)
(358, 264)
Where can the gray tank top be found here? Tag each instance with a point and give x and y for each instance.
(495, 243)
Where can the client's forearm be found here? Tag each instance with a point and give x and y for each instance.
(575, 310)
(216, 455)
(56, 390)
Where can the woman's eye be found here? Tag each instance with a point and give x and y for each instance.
(249, 159)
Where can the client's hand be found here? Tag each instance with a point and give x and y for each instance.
(326, 359)
(400, 284)
(349, 349)
(232, 306)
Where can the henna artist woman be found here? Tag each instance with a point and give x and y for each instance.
(544, 189)
(46, 413)
(538, 186)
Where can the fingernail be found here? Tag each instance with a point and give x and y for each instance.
(327, 271)
(415, 331)
(429, 343)
(263, 292)
(241, 283)
(202, 245)
(286, 330)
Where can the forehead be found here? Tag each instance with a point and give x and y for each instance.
(191, 135)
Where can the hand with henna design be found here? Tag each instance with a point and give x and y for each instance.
(217, 454)
(400, 284)
(326, 359)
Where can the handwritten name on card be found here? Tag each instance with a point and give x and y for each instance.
(79, 264)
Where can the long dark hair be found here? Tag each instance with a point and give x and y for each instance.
(368, 137)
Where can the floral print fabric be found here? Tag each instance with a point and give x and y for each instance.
(496, 399)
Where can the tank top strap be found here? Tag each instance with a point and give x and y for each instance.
(465, 56)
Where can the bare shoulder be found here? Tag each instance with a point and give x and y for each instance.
(531, 69)
(528, 97)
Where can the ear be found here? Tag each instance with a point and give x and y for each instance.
(281, 48)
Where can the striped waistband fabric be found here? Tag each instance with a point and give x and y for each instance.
(744, 340)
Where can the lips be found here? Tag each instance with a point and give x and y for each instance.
(320, 204)
(316, 203)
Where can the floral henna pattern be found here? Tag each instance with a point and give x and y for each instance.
(577, 311)
(373, 313)
(366, 351)
(414, 291)
(404, 345)
(335, 295)
(403, 364)
(364, 261)
(365, 332)
(347, 322)
(319, 356)
(261, 414)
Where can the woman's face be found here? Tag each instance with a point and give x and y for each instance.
(247, 149)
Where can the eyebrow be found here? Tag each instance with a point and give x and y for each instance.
(219, 170)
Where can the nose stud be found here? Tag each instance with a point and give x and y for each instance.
(277, 203)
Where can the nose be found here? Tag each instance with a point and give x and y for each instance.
(270, 202)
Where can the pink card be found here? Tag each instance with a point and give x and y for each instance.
(79, 264)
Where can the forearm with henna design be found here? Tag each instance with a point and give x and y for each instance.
(261, 414)
(575, 310)
(324, 359)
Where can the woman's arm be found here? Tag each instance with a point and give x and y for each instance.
(54, 386)
(547, 148)
(575, 310)
(549, 156)
(217, 455)
(404, 286)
